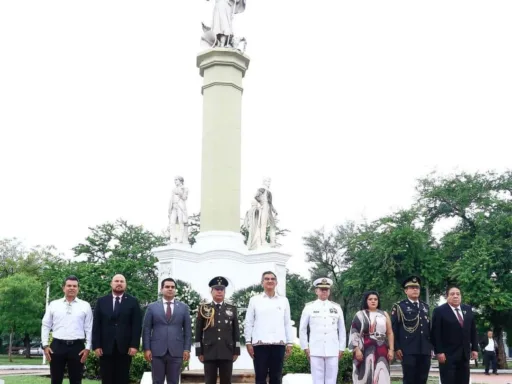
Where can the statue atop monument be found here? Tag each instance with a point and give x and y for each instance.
(260, 217)
(220, 33)
(178, 216)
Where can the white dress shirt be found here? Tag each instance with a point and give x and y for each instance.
(114, 299)
(268, 321)
(326, 328)
(454, 309)
(68, 321)
(490, 346)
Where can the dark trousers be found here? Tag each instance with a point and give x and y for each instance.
(268, 360)
(416, 368)
(115, 368)
(224, 369)
(66, 354)
(454, 371)
(166, 367)
(490, 358)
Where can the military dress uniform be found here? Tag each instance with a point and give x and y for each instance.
(411, 326)
(326, 337)
(217, 337)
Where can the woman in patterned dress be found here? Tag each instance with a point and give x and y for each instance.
(370, 337)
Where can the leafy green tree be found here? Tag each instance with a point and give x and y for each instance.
(329, 254)
(21, 306)
(478, 247)
(394, 247)
(15, 258)
(299, 291)
(111, 248)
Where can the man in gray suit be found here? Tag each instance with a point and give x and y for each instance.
(167, 335)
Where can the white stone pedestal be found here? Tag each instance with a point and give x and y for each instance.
(219, 253)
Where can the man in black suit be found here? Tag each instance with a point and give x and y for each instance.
(116, 332)
(454, 337)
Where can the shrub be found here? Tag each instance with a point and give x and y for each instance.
(137, 369)
(298, 363)
(241, 299)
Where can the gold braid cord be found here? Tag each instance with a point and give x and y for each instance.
(208, 313)
(403, 319)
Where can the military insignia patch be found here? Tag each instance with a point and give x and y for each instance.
(333, 310)
(229, 312)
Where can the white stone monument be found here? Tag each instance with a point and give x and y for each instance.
(220, 248)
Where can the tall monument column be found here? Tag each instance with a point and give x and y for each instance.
(222, 70)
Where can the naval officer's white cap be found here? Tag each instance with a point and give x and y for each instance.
(323, 282)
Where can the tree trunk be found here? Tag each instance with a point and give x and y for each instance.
(26, 342)
(502, 354)
(10, 345)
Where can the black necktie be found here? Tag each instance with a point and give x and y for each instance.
(116, 305)
(416, 304)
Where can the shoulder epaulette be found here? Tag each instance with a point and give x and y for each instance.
(335, 303)
(311, 302)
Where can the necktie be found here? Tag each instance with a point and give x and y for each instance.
(461, 321)
(415, 304)
(168, 312)
(116, 305)
(218, 307)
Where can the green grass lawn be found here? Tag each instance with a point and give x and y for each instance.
(37, 380)
(20, 360)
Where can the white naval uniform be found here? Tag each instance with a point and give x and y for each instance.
(326, 338)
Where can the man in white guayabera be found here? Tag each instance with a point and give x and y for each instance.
(268, 331)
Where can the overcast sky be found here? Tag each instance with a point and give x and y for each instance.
(346, 104)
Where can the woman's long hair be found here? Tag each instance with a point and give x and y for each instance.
(364, 303)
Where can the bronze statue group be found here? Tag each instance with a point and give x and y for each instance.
(115, 328)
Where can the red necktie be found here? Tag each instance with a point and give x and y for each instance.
(461, 321)
(168, 312)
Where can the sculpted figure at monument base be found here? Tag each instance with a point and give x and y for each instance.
(261, 217)
(178, 216)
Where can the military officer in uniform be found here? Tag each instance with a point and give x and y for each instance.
(217, 336)
(411, 326)
(325, 341)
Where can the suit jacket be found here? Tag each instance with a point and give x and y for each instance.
(221, 340)
(123, 327)
(160, 335)
(411, 327)
(449, 337)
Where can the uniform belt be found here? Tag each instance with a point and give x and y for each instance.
(69, 342)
